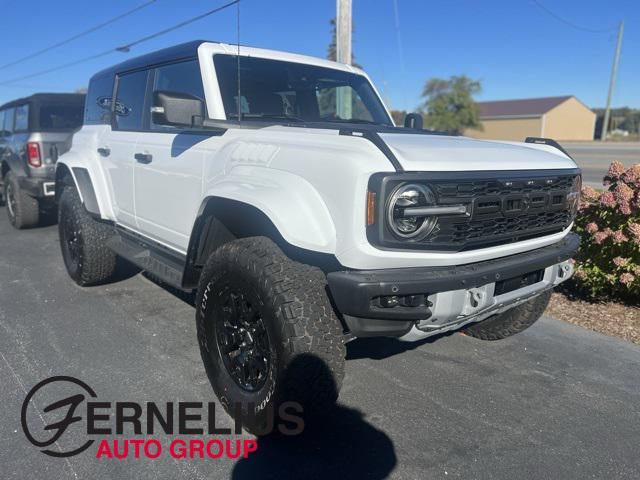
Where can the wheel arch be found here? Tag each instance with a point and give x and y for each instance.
(13, 163)
(79, 178)
(4, 169)
(221, 220)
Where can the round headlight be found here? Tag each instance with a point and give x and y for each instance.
(401, 222)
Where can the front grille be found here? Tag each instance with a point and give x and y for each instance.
(501, 211)
(502, 208)
(497, 230)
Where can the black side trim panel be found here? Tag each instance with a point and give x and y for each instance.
(374, 138)
(85, 186)
(151, 256)
(547, 141)
(191, 273)
(353, 291)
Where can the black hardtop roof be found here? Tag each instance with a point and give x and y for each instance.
(47, 98)
(177, 52)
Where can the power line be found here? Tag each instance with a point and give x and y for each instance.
(77, 36)
(59, 67)
(571, 24)
(124, 48)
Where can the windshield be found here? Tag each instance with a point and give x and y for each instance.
(60, 117)
(273, 89)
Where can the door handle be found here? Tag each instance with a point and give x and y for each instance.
(104, 151)
(143, 157)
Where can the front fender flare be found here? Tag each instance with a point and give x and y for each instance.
(289, 201)
(284, 207)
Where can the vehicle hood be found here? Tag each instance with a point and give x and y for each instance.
(417, 152)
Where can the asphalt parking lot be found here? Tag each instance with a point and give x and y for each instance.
(554, 402)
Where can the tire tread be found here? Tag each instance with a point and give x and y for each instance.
(308, 323)
(510, 322)
(99, 262)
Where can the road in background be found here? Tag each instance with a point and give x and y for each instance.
(594, 158)
(556, 401)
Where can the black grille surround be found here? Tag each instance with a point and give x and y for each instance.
(502, 207)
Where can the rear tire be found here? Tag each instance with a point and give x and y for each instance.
(23, 210)
(510, 322)
(83, 242)
(267, 333)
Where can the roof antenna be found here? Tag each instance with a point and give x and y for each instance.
(238, 62)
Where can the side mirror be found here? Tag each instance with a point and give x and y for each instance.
(176, 109)
(413, 120)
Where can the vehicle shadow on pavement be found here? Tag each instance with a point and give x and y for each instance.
(379, 348)
(340, 445)
(187, 297)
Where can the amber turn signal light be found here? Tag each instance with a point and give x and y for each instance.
(371, 208)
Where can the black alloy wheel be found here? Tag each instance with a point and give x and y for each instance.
(71, 242)
(242, 338)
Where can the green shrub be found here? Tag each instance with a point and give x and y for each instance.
(608, 262)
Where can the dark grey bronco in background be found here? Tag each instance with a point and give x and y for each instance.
(34, 132)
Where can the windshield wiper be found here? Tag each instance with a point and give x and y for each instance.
(275, 117)
(355, 120)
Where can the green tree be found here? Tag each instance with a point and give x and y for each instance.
(449, 106)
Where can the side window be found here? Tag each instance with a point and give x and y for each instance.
(183, 77)
(2, 123)
(22, 118)
(8, 121)
(98, 102)
(130, 99)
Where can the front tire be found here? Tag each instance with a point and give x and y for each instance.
(510, 322)
(83, 242)
(23, 210)
(267, 333)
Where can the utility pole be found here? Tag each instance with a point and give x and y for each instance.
(612, 84)
(343, 53)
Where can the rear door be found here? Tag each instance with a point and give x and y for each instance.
(118, 144)
(168, 174)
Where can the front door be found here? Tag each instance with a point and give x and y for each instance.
(169, 165)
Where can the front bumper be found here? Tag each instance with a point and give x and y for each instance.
(38, 187)
(363, 297)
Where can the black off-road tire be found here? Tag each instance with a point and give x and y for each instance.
(305, 337)
(83, 242)
(510, 322)
(22, 209)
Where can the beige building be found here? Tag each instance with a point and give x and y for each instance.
(559, 118)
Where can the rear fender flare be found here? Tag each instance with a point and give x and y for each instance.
(80, 178)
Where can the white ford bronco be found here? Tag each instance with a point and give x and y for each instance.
(277, 187)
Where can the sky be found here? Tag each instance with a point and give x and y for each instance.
(514, 47)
